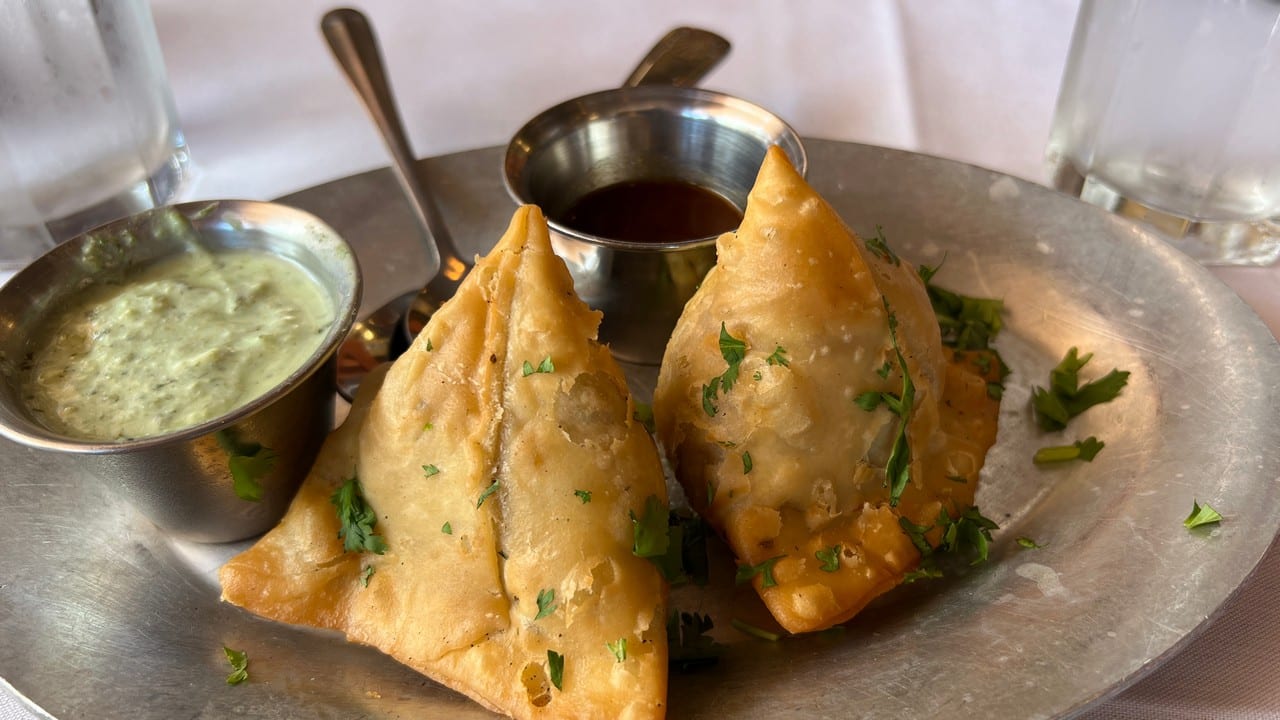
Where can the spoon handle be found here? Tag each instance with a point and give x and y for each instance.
(681, 58)
(354, 46)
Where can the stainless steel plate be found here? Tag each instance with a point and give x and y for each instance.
(102, 616)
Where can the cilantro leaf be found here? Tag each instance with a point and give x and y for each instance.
(869, 400)
(1201, 515)
(1086, 450)
(746, 463)
(764, 570)
(429, 470)
(1066, 398)
(618, 648)
(493, 488)
(1028, 543)
(546, 366)
(754, 631)
(248, 462)
(967, 323)
(733, 351)
(965, 538)
(583, 495)
(709, 396)
(778, 357)
(356, 519)
(649, 531)
(643, 414)
(830, 558)
(546, 603)
(884, 370)
(447, 528)
(897, 470)
(239, 665)
(368, 573)
(555, 668)
(879, 247)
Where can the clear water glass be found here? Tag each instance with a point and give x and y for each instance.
(1169, 113)
(88, 130)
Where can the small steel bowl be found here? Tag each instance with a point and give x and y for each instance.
(182, 480)
(652, 132)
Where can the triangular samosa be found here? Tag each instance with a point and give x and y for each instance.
(780, 404)
(499, 468)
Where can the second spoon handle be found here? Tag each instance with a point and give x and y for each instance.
(681, 58)
(355, 48)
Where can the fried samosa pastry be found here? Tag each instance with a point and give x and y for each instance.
(782, 401)
(489, 537)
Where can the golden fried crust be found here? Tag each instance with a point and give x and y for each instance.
(461, 606)
(795, 277)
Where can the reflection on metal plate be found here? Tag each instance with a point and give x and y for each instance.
(102, 616)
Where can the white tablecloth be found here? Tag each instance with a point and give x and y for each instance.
(266, 112)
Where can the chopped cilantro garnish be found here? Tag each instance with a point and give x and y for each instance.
(1201, 515)
(754, 631)
(546, 603)
(649, 531)
(1086, 449)
(1028, 543)
(897, 470)
(546, 366)
(583, 495)
(778, 357)
(1066, 397)
(733, 351)
(618, 648)
(493, 488)
(746, 463)
(764, 570)
(429, 470)
(239, 665)
(248, 462)
(967, 323)
(643, 414)
(447, 528)
(880, 247)
(966, 537)
(368, 573)
(555, 668)
(429, 346)
(924, 572)
(869, 400)
(830, 558)
(357, 520)
(427, 426)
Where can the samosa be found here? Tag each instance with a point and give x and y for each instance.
(810, 411)
(475, 520)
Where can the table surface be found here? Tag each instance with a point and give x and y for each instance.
(266, 112)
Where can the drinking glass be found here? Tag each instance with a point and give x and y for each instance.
(88, 131)
(1169, 113)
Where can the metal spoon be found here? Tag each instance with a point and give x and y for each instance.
(374, 339)
(682, 57)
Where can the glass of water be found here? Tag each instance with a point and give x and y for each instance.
(1169, 113)
(88, 131)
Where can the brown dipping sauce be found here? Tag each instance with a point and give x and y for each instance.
(652, 211)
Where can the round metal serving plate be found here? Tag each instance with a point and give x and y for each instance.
(103, 616)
